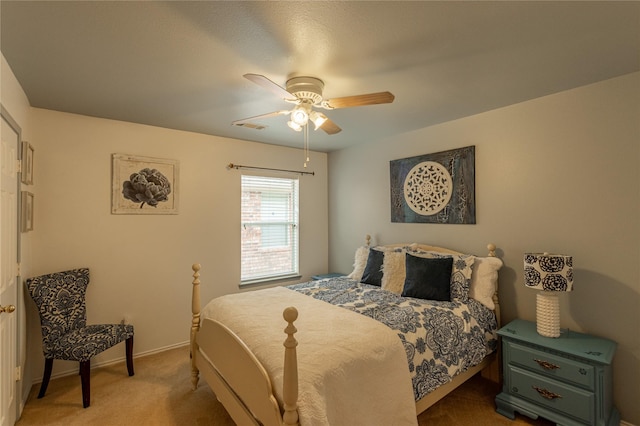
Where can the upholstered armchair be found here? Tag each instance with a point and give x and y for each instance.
(60, 298)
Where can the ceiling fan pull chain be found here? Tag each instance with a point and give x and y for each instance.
(306, 144)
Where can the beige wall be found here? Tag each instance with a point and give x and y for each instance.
(141, 264)
(560, 174)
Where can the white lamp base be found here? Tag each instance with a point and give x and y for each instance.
(548, 314)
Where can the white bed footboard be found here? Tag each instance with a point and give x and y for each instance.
(235, 375)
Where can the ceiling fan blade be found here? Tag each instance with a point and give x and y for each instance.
(263, 81)
(245, 121)
(330, 127)
(359, 100)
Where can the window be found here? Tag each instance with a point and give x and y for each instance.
(269, 217)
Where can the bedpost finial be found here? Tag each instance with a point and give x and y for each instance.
(290, 314)
(367, 240)
(492, 249)
(196, 267)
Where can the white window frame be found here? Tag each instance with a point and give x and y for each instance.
(276, 256)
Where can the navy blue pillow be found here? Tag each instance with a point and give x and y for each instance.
(373, 270)
(428, 279)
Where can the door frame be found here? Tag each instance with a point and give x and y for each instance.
(16, 128)
(19, 297)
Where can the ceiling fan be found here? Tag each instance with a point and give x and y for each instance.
(306, 93)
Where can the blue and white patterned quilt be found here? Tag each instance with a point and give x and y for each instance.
(441, 339)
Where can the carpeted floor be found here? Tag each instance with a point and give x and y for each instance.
(160, 394)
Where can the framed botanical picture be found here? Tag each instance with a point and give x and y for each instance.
(144, 185)
(26, 211)
(27, 163)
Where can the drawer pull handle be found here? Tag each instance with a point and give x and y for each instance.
(546, 365)
(546, 393)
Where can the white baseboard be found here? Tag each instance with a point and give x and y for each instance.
(114, 361)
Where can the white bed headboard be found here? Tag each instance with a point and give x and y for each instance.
(490, 247)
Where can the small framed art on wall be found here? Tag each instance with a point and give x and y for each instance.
(144, 185)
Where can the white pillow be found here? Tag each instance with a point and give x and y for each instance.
(394, 270)
(484, 280)
(360, 262)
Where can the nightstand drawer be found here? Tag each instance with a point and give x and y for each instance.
(551, 365)
(565, 399)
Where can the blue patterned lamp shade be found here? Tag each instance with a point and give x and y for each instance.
(548, 272)
(551, 273)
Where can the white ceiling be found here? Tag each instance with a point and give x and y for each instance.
(179, 64)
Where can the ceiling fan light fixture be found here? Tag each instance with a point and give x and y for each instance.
(317, 119)
(295, 126)
(300, 115)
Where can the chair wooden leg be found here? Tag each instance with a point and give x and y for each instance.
(48, 367)
(129, 350)
(85, 371)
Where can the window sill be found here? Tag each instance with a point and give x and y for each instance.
(270, 280)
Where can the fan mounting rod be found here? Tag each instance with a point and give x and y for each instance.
(306, 88)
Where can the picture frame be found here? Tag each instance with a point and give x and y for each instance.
(144, 185)
(26, 211)
(434, 188)
(27, 163)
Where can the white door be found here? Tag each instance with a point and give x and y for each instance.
(10, 138)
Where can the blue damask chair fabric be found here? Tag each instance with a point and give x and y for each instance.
(60, 298)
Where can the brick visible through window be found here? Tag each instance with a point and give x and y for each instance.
(269, 235)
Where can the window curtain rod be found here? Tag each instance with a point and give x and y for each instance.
(238, 166)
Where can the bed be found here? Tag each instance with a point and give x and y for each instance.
(357, 332)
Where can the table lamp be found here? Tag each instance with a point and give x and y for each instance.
(549, 273)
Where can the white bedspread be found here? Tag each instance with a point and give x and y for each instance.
(352, 369)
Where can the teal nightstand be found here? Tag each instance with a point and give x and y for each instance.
(329, 275)
(567, 380)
